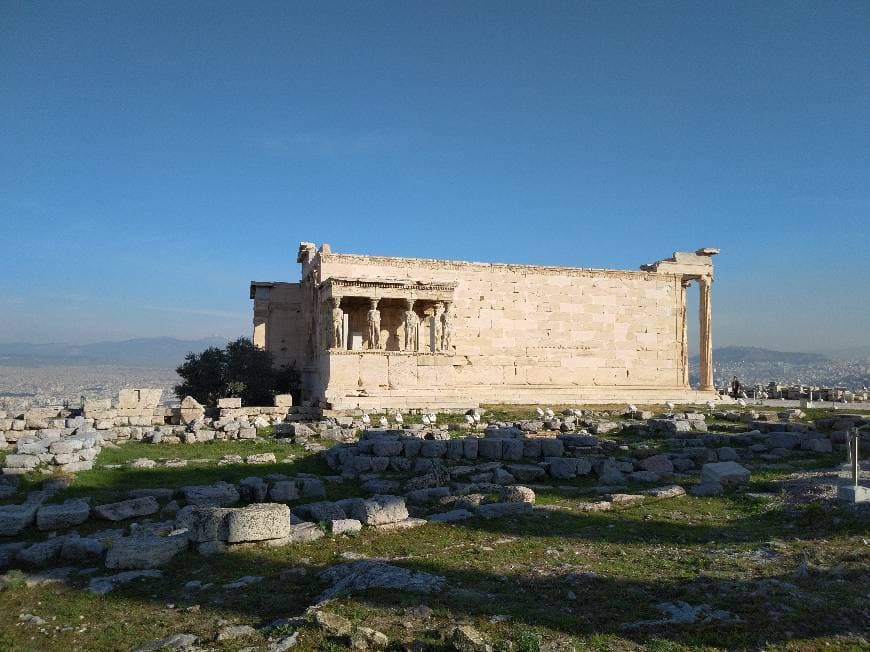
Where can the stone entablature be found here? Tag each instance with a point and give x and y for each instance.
(370, 330)
(386, 289)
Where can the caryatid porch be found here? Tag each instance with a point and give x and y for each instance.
(387, 315)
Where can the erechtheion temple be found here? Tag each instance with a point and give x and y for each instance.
(375, 332)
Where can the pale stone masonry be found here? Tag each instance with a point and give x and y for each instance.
(376, 332)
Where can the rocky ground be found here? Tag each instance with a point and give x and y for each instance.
(598, 530)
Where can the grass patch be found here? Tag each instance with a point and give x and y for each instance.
(552, 580)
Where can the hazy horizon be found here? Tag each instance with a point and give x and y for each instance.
(216, 339)
(154, 159)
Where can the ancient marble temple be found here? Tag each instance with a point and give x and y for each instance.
(376, 332)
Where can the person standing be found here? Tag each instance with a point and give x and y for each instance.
(735, 387)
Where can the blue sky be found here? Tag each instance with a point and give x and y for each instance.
(156, 157)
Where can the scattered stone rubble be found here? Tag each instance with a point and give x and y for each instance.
(683, 613)
(412, 476)
(370, 574)
(67, 440)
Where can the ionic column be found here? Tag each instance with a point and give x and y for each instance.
(684, 337)
(706, 319)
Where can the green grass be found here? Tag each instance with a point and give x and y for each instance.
(698, 550)
(519, 581)
(103, 484)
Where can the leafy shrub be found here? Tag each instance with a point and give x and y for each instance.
(238, 370)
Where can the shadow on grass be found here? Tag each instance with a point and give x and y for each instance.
(509, 579)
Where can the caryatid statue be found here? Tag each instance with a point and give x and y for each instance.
(373, 318)
(412, 325)
(337, 323)
(438, 325)
(445, 328)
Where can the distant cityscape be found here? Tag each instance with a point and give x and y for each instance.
(754, 366)
(54, 374)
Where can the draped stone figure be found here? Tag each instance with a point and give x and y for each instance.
(337, 324)
(412, 326)
(446, 328)
(438, 326)
(373, 319)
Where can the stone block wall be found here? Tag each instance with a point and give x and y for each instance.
(403, 451)
(519, 326)
(61, 439)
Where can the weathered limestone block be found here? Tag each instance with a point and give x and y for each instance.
(609, 472)
(603, 427)
(500, 476)
(359, 464)
(455, 449)
(531, 448)
(344, 526)
(451, 516)
(379, 464)
(787, 440)
(498, 510)
(145, 552)
(304, 533)
(400, 464)
(14, 518)
(64, 515)
(724, 473)
(76, 548)
(568, 467)
(284, 491)
(191, 410)
(489, 449)
(820, 445)
(470, 448)
(669, 491)
(512, 449)
(322, 512)
(127, 508)
(21, 462)
(92, 405)
(412, 447)
(283, 401)
(379, 510)
(258, 522)
(205, 523)
(253, 489)
(518, 494)
(261, 458)
(657, 464)
(229, 403)
(67, 446)
(552, 448)
(419, 496)
(433, 449)
(219, 494)
(387, 448)
(526, 472)
(42, 552)
(312, 488)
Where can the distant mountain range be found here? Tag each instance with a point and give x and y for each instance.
(755, 355)
(155, 352)
(753, 365)
(168, 352)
